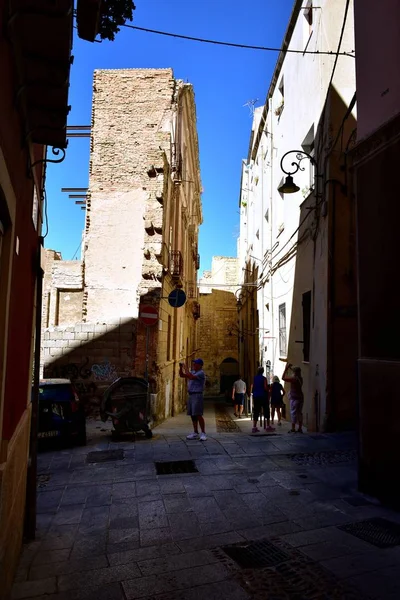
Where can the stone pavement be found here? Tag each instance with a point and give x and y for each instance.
(255, 516)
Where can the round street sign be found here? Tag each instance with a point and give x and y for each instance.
(148, 315)
(177, 298)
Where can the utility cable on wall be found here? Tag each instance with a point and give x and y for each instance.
(351, 53)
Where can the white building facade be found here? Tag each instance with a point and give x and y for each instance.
(283, 244)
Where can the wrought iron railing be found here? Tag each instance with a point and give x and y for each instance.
(176, 263)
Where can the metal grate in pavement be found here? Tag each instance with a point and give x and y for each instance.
(329, 457)
(256, 555)
(104, 456)
(223, 420)
(377, 531)
(176, 467)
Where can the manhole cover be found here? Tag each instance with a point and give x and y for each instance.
(333, 457)
(104, 456)
(256, 555)
(176, 467)
(377, 531)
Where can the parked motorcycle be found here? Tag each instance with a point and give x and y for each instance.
(126, 402)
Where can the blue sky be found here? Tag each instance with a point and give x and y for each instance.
(224, 79)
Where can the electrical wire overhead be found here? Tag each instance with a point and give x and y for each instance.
(235, 45)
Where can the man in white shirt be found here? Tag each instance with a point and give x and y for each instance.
(238, 392)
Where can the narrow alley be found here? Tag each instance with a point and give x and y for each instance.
(238, 516)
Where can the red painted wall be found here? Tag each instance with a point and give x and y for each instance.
(18, 375)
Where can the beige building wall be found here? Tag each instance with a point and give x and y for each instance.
(219, 335)
(224, 275)
(219, 340)
(140, 242)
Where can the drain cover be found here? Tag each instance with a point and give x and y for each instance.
(104, 456)
(333, 457)
(377, 531)
(176, 467)
(256, 555)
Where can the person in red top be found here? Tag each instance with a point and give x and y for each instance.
(295, 396)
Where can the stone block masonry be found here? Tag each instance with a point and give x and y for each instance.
(139, 213)
(92, 355)
(131, 134)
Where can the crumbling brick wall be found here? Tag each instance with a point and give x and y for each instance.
(131, 131)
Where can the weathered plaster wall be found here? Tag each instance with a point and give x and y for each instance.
(131, 128)
(139, 210)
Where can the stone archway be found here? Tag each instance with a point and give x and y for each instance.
(228, 373)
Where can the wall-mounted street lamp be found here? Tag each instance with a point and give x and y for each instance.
(289, 186)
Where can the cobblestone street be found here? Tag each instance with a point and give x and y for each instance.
(272, 516)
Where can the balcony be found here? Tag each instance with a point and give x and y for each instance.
(176, 265)
(176, 162)
(191, 290)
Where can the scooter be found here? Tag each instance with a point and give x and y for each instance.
(126, 402)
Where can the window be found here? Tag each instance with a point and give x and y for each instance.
(169, 338)
(308, 146)
(308, 23)
(282, 330)
(306, 325)
(308, 15)
(281, 100)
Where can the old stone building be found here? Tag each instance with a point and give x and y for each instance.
(219, 338)
(143, 212)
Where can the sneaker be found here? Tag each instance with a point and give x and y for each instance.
(203, 437)
(192, 436)
(255, 430)
(279, 424)
(269, 428)
(235, 414)
(240, 416)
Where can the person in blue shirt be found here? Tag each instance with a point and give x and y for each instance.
(260, 390)
(195, 402)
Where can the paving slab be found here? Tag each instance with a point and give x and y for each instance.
(119, 531)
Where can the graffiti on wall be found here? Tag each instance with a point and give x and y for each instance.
(104, 371)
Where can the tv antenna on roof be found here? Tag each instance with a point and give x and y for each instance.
(251, 105)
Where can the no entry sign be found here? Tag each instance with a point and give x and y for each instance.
(148, 315)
